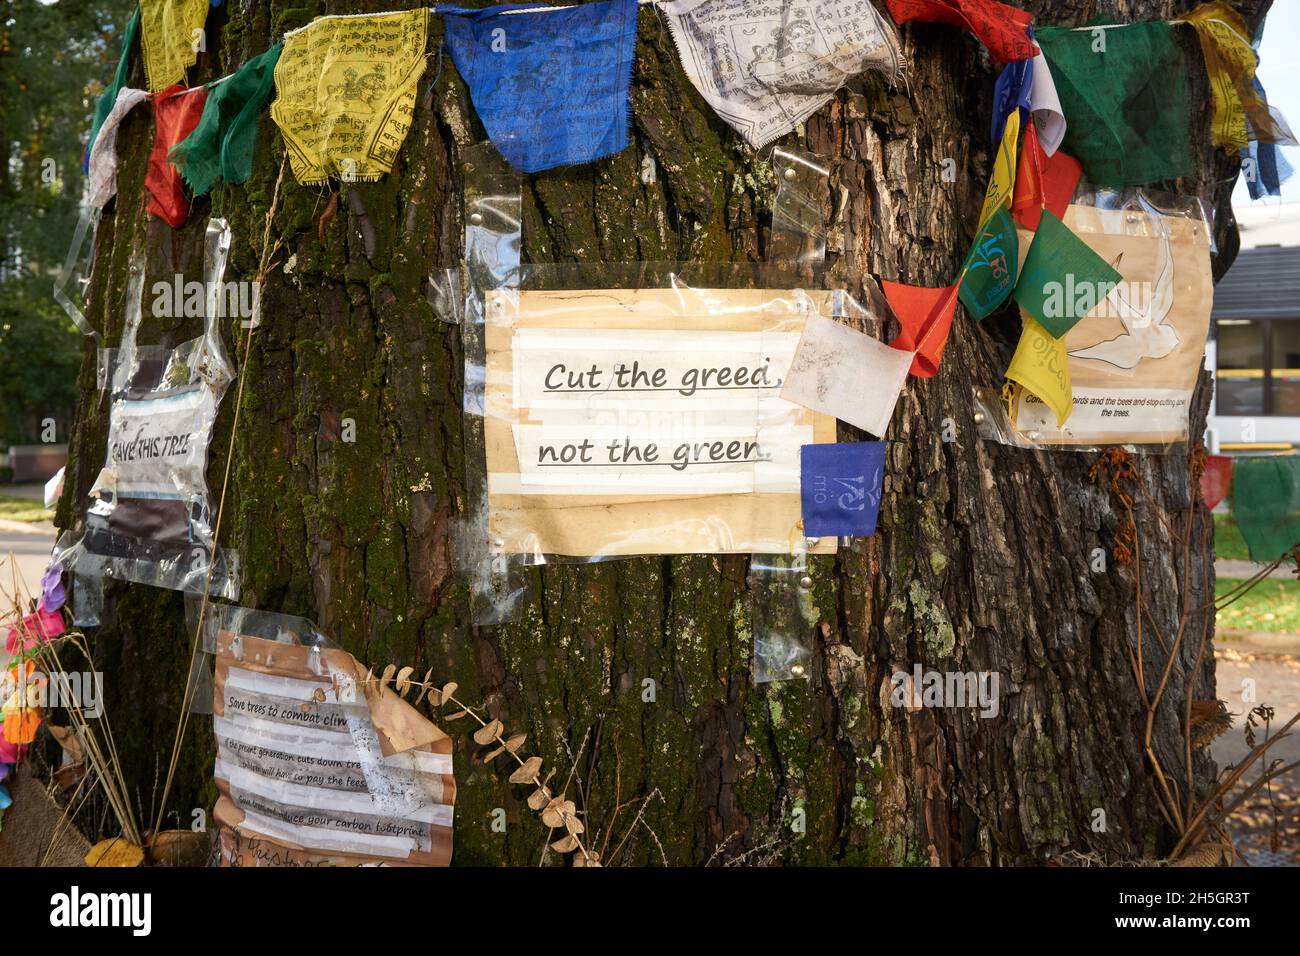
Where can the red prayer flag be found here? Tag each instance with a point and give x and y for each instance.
(1216, 480)
(176, 111)
(1000, 27)
(926, 317)
(1042, 180)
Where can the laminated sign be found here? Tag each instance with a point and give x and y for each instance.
(317, 765)
(1135, 355)
(646, 422)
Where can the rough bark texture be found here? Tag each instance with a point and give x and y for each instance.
(982, 562)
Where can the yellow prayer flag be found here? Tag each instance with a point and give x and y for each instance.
(1002, 182)
(1041, 365)
(171, 35)
(346, 89)
(1230, 63)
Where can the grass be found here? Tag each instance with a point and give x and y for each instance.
(1228, 542)
(1271, 605)
(20, 509)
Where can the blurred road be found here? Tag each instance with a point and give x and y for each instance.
(26, 546)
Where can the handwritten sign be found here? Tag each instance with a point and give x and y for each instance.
(317, 766)
(645, 422)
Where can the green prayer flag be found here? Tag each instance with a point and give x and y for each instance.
(1266, 504)
(1124, 92)
(990, 271)
(104, 105)
(1062, 279)
(221, 145)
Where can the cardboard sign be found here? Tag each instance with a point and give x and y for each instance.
(1135, 357)
(645, 421)
(318, 767)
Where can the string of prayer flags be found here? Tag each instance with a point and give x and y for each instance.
(767, 68)
(1125, 92)
(170, 39)
(989, 274)
(1042, 181)
(1000, 27)
(346, 88)
(1216, 480)
(1042, 367)
(842, 372)
(103, 152)
(840, 485)
(1045, 105)
(1240, 111)
(550, 86)
(1003, 180)
(1062, 279)
(221, 145)
(108, 99)
(176, 111)
(925, 315)
(1012, 91)
(1266, 504)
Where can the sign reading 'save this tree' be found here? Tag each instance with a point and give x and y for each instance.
(645, 422)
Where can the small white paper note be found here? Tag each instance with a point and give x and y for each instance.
(840, 371)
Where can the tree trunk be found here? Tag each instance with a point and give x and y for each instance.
(984, 560)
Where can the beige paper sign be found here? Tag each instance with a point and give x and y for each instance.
(318, 767)
(1134, 359)
(646, 421)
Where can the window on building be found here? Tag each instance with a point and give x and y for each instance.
(1241, 375)
(1284, 370)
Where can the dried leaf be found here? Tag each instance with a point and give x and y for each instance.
(551, 815)
(590, 858)
(515, 742)
(425, 688)
(447, 690)
(566, 844)
(115, 852)
(404, 680)
(456, 716)
(539, 799)
(1207, 854)
(388, 675)
(527, 771)
(487, 733)
(494, 754)
(557, 811)
(574, 825)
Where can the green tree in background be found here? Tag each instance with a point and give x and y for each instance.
(54, 60)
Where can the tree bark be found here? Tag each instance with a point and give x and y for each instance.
(983, 560)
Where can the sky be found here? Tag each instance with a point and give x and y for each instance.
(1279, 71)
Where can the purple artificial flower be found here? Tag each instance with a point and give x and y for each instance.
(52, 592)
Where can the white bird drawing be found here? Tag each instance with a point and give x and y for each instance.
(1147, 333)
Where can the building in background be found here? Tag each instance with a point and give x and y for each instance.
(1254, 345)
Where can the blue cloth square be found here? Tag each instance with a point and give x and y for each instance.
(550, 87)
(841, 488)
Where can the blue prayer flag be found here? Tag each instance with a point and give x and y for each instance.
(550, 87)
(841, 488)
(1011, 92)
